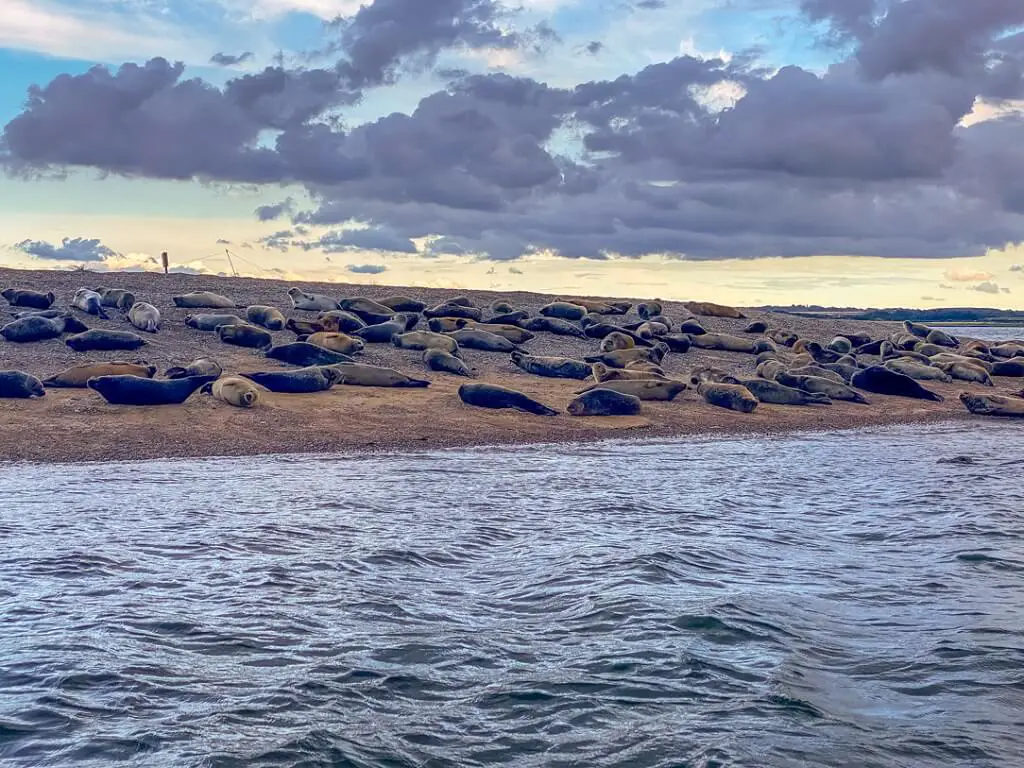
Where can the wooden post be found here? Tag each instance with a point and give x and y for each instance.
(163, 260)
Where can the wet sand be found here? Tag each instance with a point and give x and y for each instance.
(78, 425)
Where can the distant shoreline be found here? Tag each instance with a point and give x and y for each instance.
(73, 425)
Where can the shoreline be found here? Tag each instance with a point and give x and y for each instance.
(74, 425)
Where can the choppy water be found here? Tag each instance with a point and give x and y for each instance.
(986, 332)
(822, 600)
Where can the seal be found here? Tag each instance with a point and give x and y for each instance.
(359, 375)
(233, 390)
(616, 340)
(915, 370)
(651, 330)
(735, 397)
(19, 297)
(664, 390)
(47, 313)
(884, 381)
(643, 365)
(551, 367)
(98, 339)
(857, 338)
(34, 328)
(841, 345)
(462, 301)
(77, 376)
(138, 390)
(602, 372)
(604, 330)
(594, 305)
(447, 324)
(993, 405)
(421, 340)
(663, 320)
(202, 366)
(604, 402)
(270, 318)
(298, 382)
(118, 298)
(916, 329)
(339, 321)
(710, 309)
(756, 326)
(471, 338)
(1007, 349)
(1013, 368)
(145, 317)
(783, 337)
(305, 354)
(677, 342)
(369, 311)
(501, 308)
(822, 355)
(620, 357)
(336, 342)
(710, 373)
(211, 322)
(245, 335)
(949, 357)
(439, 360)
(563, 310)
(402, 304)
(381, 333)
(21, 385)
(649, 309)
(509, 318)
(817, 370)
(513, 333)
(764, 344)
(724, 342)
(926, 349)
(492, 396)
(773, 393)
(203, 300)
(821, 386)
(967, 372)
(553, 325)
(303, 328)
(769, 369)
(311, 302)
(942, 339)
(88, 301)
(454, 310)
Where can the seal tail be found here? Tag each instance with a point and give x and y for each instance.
(417, 383)
(53, 383)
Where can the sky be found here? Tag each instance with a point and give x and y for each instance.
(834, 152)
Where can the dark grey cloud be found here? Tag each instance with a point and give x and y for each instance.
(986, 287)
(70, 249)
(275, 210)
(366, 269)
(222, 241)
(370, 239)
(228, 60)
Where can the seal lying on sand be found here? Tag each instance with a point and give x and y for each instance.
(735, 397)
(78, 376)
(336, 342)
(18, 384)
(757, 326)
(359, 375)
(1014, 368)
(381, 333)
(447, 324)
(551, 367)
(963, 371)
(513, 333)
(563, 310)
(339, 321)
(36, 328)
(303, 327)
(493, 396)
(821, 386)
(420, 340)
(270, 318)
(99, 339)
(620, 357)
(203, 299)
(645, 389)
(298, 382)
(89, 302)
(202, 366)
(454, 310)
(18, 297)
(245, 335)
(724, 342)
(602, 372)
(137, 390)
(233, 390)
(509, 318)
(367, 310)
(886, 382)
(553, 325)
(304, 354)
(118, 298)
(144, 316)
(710, 309)
(916, 370)
(993, 405)
(614, 341)
(471, 338)
(604, 330)
(205, 322)
(311, 302)
(597, 307)
(773, 393)
(604, 402)
(402, 304)
(439, 360)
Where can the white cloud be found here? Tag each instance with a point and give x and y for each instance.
(58, 30)
(325, 9)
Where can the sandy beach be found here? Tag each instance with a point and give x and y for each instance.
(78, 425)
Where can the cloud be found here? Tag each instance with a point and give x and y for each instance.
(229, 60)
(366, 269)
(275, 211)
(222, 241)
(70, 249)
(1017, 268)
(966, 275)
(986, 287)
(370, 238)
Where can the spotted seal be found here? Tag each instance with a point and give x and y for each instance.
(402, 304)
(509, 318)
(336, 342)
(369, 311)
(77, 376)
(735, 397)
(20, 297)
(649, 309)
(993, 405)
(139, 390)
(841, 345)
(966, 372)
(202, 366)
(89, 302)
(270, 318)
(304, 354)
(773, 393)
(245, 335)
(551, 367)
(595, 306)
(616, 340)
(297, 382)
(502, 308)
(421, 340)
(724, 342)
(493, 396)
(204, 322)
(563, 310)
(916, 370)
(37, 328)
(118, 298)
(311, 302)
(454, 310)
(439, 360)
(361, 375)
(710, 309)
(100, 339)
(821, 386)
(203, 300)
(756, 326)
(339, 321)
(664, 390)
(513, 333)
(553, 325)
(233, 390)
(602, 372)
(20, 385)
(144, 316)
(604, 402)
(604, 330)
(471, 338)
(382, 333)
(303, 327)
(620, 357)
(447, 324)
